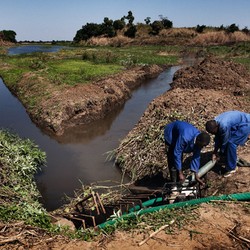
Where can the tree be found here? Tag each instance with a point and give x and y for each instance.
(166, 22)
(221, 27)
(107, 27)
(245, 30)
(108, 22)
(87, 31)
(147, 20)
(156, 26)
(130, 18)
(232, 28)
(9, 35)
(131, 31)
(200, 28)
(119, 24)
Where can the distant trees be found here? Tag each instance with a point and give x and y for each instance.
(200, 28)
(8, 35)
(119, 24)
(131, 28)
(166, 22)
(125, 25)
(232, 28)
(147, 20)
(228, 29)
(87, 31)
(158, 25)
(109, 28)
(246, 30)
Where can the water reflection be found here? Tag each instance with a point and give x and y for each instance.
(86, 133)
(25, 49)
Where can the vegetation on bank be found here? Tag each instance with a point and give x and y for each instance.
(19, 161)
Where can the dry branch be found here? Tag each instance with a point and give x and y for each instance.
(156, 232)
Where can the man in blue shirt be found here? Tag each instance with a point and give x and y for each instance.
(231, 129)
(182, 137)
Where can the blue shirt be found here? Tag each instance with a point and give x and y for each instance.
(181, 135)
(229, 122)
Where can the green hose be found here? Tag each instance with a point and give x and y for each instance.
(238, 197)
(152, 202)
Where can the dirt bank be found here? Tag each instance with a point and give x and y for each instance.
(81, 104)
(198, 94)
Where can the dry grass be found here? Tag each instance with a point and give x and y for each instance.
(106, 41)
(220, 37)
(178, 32)
(172, 36)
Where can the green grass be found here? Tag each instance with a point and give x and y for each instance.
(19, 161)
(72, 71)
(245, 61)
(141, 55)
(82, 65)
(240, 50)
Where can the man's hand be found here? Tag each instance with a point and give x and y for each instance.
(197, 178)
(181, 176)
(215, 157)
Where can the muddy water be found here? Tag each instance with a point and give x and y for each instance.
(80, 155)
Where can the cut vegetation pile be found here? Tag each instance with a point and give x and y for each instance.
(198, 94)
(19, 161)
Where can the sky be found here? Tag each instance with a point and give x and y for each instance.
(47, 20)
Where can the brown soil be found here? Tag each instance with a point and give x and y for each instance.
(198, 93)
(82, 104)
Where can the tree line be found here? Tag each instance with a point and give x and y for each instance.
(109, 28)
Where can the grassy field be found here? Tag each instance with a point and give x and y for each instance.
(83, 64)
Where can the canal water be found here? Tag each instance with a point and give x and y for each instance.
(79, 157)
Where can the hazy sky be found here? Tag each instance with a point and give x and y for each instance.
(60, 19)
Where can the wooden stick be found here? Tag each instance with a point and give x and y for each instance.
(156, 232)
(100, 202)
(245, 239)
(96, 205)
(5, 240)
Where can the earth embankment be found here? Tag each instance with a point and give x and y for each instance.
(82, 104)
(198, 94)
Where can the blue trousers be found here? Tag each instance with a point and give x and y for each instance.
(237, 138)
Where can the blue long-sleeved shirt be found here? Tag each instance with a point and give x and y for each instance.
(229, 121)
(181, 135)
